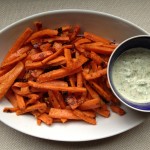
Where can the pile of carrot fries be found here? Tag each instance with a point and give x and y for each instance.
(58, 75)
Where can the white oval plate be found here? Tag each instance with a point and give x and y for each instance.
(100, 23)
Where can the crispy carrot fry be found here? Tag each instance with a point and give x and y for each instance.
(39, 106)
(102, 112)
(95, 38)
(57, 60)
(56, 54)
(18, 53)
(82, 41)
(79, 79)
(20, 101)
(5, 70)
(14, 61)
(19, 42)
(53, 99)
(93, 93)
(60, 99)
(33, 65)
(56, 83)
(40, 56)
(101, 91)
(117, 110)
(95, 75)
(90, 104)
(62, 113)
(82, 116)
(6, 84)
(10, 110)
(99, 49)
(46, 119)
(89, 113)
(57, 74)
(55, 88)
(11, 97)
(58, 39)
(42, 33)
(67, 54)
(96, 58)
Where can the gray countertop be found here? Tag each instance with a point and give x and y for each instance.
(136, 11)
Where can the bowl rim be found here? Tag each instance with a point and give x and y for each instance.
(108, 74)
(58, 11)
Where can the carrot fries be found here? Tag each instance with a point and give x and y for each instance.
(58, 76)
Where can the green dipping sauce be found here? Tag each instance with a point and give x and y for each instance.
(131, 75)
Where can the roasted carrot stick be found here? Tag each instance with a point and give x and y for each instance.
(6, 84)
(19, 42)
(41, 33)
(82, 116)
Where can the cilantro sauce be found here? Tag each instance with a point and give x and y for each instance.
(131, 75)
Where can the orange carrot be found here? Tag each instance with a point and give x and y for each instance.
(82, 116)
(62, 113)
(41, 33)
(19, 42)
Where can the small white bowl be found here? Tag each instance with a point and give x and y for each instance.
(142, 41)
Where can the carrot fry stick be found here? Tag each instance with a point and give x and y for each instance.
(40, 56)
(82, 41)
(82, 116)
(55, 88)
(33, 65)
(117, 110)
(39, 106)
(89, 113)
(90, 104)
(67, 54)
(66, 28)
(56, 60)
(102, 112)
(62, 113)
(56, 83)
(101, 91)
(53, 99)
(99, 49)
(92, 92)
(20, 101)
(60, 99)
(14, 61)
(96, 58)
(5, 70)
(41, 33)
(56, 74)
(79, 79)
(6, 84)
(95, 75)
(58, 39)
(56, 54)
(95, 38)
(10, 110)
(11, 97)
(19, 42)
(46, 119)
(18, 53)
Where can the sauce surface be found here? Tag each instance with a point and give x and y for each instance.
(131, 75)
